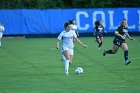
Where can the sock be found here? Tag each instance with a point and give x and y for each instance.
(63, 58)
(66, 66)
(0, 44)
(109, 52)
(100, 44)
(126, 55)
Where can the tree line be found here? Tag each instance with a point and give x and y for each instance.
(64, 4)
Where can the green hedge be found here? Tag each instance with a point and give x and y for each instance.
(45, 4)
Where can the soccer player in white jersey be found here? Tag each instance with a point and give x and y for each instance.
(67, 36)
(1, 32)
(74, 26)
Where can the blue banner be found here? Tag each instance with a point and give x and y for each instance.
(51, 21)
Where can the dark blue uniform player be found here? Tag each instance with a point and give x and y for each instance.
(98, 33)
(119, 41)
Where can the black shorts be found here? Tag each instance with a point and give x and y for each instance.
(98, 36)
(118, 42)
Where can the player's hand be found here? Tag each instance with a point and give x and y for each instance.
(85, 46)
(105, 32)
(122, 37)
(132, 39)
(78, 34)
(57, 47)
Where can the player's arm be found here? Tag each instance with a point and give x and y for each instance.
(77, 32)
(58, 40)
(119, 35)
(129, 36)
(85, 46)
(104, 31)
(94, 32)
(3, 29)
(57, 44)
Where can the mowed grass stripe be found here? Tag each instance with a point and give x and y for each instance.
(34, 66)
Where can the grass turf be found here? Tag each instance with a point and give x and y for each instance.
(34, 66)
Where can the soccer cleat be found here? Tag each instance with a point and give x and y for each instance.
(104, 53)
(127, 62)
(66, 73)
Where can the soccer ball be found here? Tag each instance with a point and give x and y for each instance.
(79, 70)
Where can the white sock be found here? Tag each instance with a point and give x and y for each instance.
(67, 66)
(63, 57)
(0, 44)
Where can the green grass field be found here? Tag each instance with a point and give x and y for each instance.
(34, 66)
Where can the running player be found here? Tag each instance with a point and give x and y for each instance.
(67, 36)
(119, 41)
(98, 32)
(1, 32)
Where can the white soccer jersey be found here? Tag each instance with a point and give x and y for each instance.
(1, 29)
(74, 27)
(67, 38)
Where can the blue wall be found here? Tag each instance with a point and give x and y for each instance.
(23, 21)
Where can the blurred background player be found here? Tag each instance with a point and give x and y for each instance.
(119, 41)
(67, 36)
(1, 32)
(74, 26)
(98, 32)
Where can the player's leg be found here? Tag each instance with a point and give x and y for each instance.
(0, 42)
(100, 41)
(0, 38)
(71, 55)
(116, 44)
(63, 58)
(125, 49)
(113, 51)
(71, 59)
(67, 56)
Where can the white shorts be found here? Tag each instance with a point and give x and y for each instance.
(1, 34)
(68, 49)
